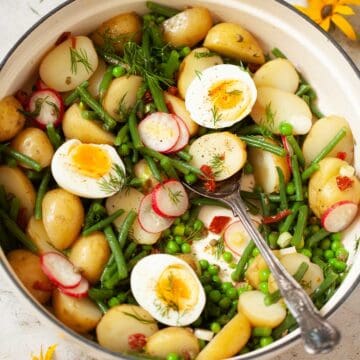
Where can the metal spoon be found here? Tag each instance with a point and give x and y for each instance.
(318, 334)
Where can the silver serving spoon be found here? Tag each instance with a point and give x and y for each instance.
(318, 334)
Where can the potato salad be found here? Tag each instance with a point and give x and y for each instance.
(95, 219)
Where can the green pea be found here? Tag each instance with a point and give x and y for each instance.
(264, 287)
(307, 231)
(226, 285)
(290, 188)
(306, 252)
(265, 341)
(337, 265)
(264, 275)
(328, 254)
(205, 278)
(335, 236)
(198, 225)
(202, 343)
(213, 269)
(223, 319)
(268, 300)
(325, 244)
(186, 216)
(336, 245)
(118, 71)
(188, 230)
(232, 265)
(208, 288)
(172, 247)
(225, 303)
(166, 233)
(179, 230)
(172, 356)
(114, 301)
(227, 256)
(204, 264)
(177, 221)
(285, 128)
(215, 295)
(186, 248)
(341, 254)
(122, 297)
(185, 51)
(190, 178)
(213, 310)
(261, 331)
(232, 293)
(273, 236)
(215, 327)
(248, 169)
(244, 350)
(314, 229)
(255, 252)
(235, 303)
(216, 279)
(318, 252)
(124, 150)
(179, 239)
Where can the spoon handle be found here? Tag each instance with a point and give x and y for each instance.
(318, 334)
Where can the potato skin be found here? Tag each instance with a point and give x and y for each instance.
(232, 40)
(116, 326)
(76, 127)
(90, 254)
(34, 143)
(63, 216)
(118, 30)
(35, 230)
(81, 315)
(15, 182)
(173, 339)
(27, 267)
(188, 27)
(11, 120)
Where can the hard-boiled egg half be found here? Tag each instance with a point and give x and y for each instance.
(220, 96)
(168, 288)
(88, 170)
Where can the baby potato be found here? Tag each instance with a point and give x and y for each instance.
(234, 41)
(274, 106)
(173, 340)
(118, 30)
(90, 255)
(79, 314)
(11, 120)
(321, 134)
(34, 143)
(188, 27)
(143, 172)
(121, 95)
(26, 266)
(120, 323)
(96, 78)
(229, 341)
(252, 272)
(264, 164)
(88, 131)
(15, 182)
(177, 106)
(69, 64)
(279, 74)
(192, 65)
(63, 216)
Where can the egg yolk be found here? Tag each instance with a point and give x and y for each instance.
(225, 95)
(177, 288)
(90, 160)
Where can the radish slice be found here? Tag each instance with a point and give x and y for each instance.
(288, 149)
(236, 238)
(59, 270)
(159, 131)
(79, 291)
(149, 220)
(47, 107)
(184, 136)
(170, 199)
(339, 216)
(40, 85)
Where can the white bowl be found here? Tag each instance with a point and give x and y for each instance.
(275, 24)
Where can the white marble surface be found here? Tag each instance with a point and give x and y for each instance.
(22, 333)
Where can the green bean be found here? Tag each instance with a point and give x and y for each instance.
(297, 239)
(71, 98)
(251, 130)
(22, 158)
(121, 135)
(41, 193)
(105, 82)
(303, 89)
(260, 143)
(155, 35)
(240, 267)
(285, 226)
(118, 254)
(54, 136)
(317, 237)
(34, 175)
(264, 204)
(128, 165)
(157, 95)
(109, 122)
(161, 9)
(284, 327)
(88, 115)
(172, 64)
(10, 161)
(299, 196)
(276, 198)
(153, 167)
(15, 230)
(129, 251)
(136, 258)
(145, 43)
(134, 133)
(250, 195)
(330, 279)
(309, 171)
(165, 163)
(109, 270)
(278, 53)
(282, 189)
(103, 223)
(186, 168)
(101, 294)
(135, 156)
(201, 201)
(125, 228)
(94, 214)
(295, 146)
(14, 208)
(3, 198)
(5, 241)
(314, 109)
(184, 155)
(136, 182)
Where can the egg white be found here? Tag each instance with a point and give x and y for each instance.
(200, 105)
(143, 281)
(69, 178)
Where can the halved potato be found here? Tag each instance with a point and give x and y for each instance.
(278, 73)
(192, 65)
(274, 106)
(264, 164)
(224, 152)
(143, 172)
(252, 272)
(233, 40)
(96, 78)
(322, 132)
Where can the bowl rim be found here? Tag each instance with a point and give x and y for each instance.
(250, 356)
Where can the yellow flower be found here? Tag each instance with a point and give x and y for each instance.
(323, 12)
(48, 355)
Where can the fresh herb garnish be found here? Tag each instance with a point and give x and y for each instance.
(217, 163)
(110, 42)
(139, 318)
(219, 250)
(215, 114)
(204, 54)
(124, 110)
(79, 56)
(198, 74)
(270, 117)
(115, 182)
(38, 104)
(175, 196)
(234, 92)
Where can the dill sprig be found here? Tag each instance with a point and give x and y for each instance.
(115, 182)
(139, 318)
(38, 104)
(220, 247)
(215, 114)
(217, 163)
(204, 54)
(175, 196)
(198, 74)
(79, 56)
(270, 117)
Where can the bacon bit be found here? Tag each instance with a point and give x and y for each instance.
(23, 98)
(64, 36)
(172, 90)
(209, 184)
(253, 67)
(43, 286)
(73, 42)
(22, 218)
(137, 341)
(344, 182)
(341, 155)
(276, 218)
(218, 224)
(147, 97)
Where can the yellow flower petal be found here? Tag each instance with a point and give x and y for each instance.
(310, 14)
(343, 10)
(349, 2)
(344, 26)
(50, 352)
(325, 24)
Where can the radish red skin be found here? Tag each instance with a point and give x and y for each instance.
(184, 136)
(287, 147)
(325, 217)
(79, 291)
